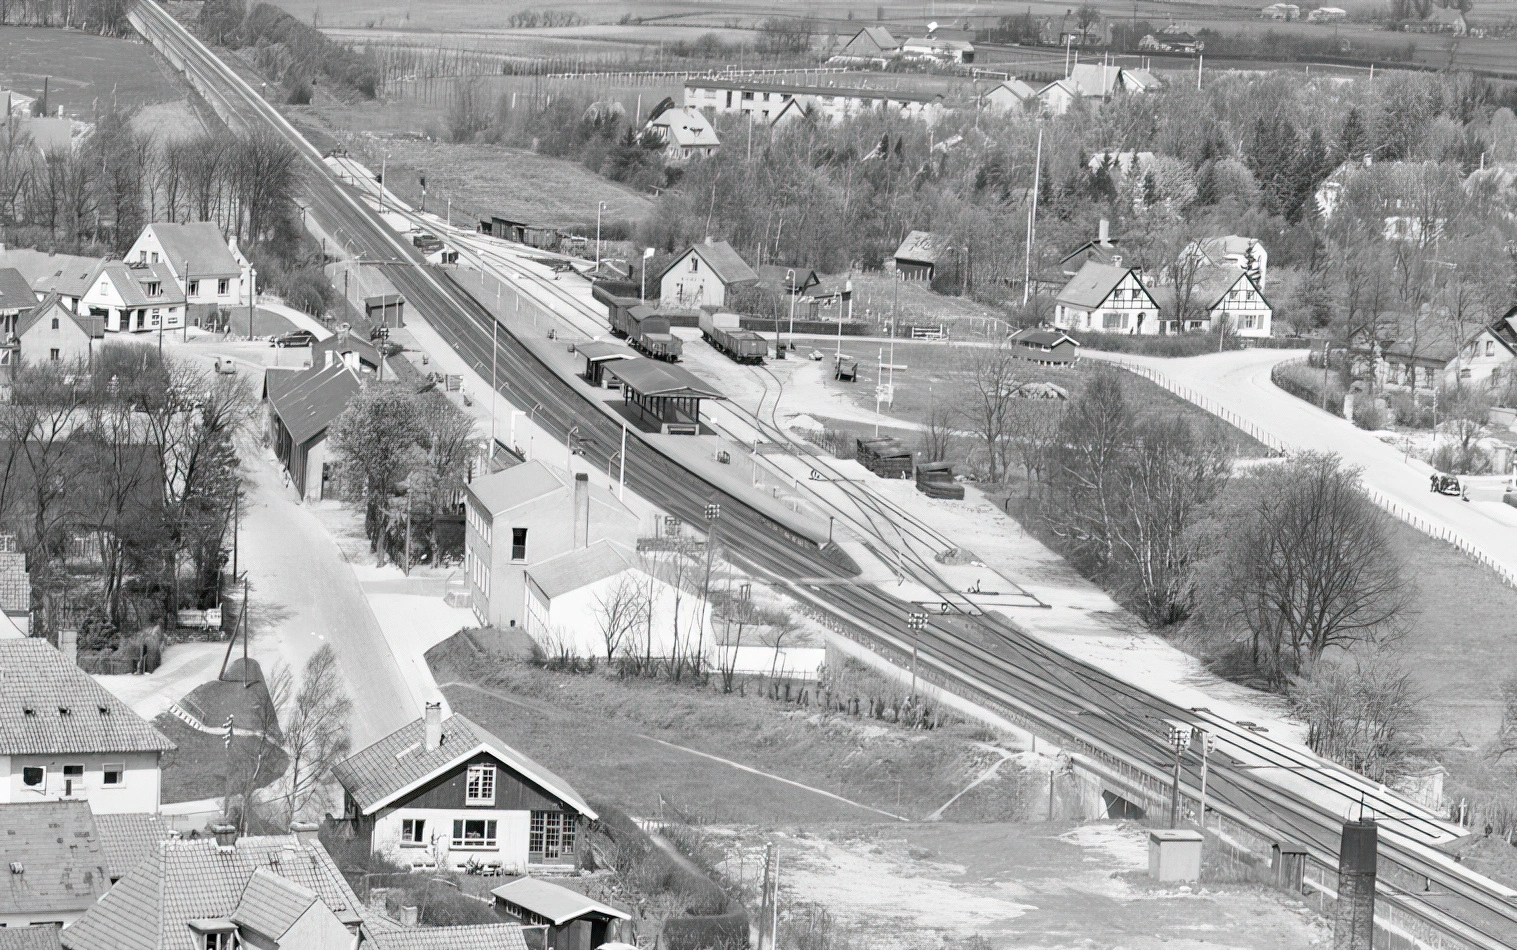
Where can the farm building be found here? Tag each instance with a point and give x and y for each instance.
(1107, 298)
(918, 255)
(686, 132)
(703, 275)
(872, 42)
(938, 49)
(766, 100)
(1044, 346)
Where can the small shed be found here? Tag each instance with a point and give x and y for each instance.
(386, 310)
(597, 354)
(917, 256)
(1049, 347)
(572, 920)
(667, 395)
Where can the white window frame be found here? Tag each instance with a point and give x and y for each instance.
(413, 833)
(484, 776)
(488, 842)
(119, 769)
(223, 287)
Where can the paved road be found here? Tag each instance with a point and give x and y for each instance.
(304, 594)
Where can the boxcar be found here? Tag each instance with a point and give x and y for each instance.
(723, 331)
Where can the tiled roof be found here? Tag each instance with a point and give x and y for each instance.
(168, 288)
(65, 273)
(202, 244)
(555, 902)
(723, 261)
(1092, 285)
(573, 570)
(44, 937)
(15, 292)
(129, 839)
(191, 879)
(63, 864)
(657, 378)
(919, 247)
(51, 306)
(471, 937)
(15, 583)
(270, 904)
(1019, 89)
(309, 401)
(37, 684)
(377, 774)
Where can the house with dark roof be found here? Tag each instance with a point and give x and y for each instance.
(872, 42)
(57, 866)
(527, 515)
(1107, 298)
(703, 276)
(65, 737)
(918, 255)
(1218, 296)
(303, 404)
(445, 793)
(1039, 345)
(205, 265)
(16, 298)
(571, 919)
(1102, 249)
(52, 333)
(1429, 355)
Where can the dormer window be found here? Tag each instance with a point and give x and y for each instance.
(154, 288)
(215, 934)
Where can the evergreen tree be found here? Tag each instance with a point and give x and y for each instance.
(1353, 139)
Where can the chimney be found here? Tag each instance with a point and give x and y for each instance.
(68, 645)
(1105, 238)
(434, 726)
(581, 509)
(1116, 260)
(708, 240)
(226, 837)
(1354, 915)
(305, 832)
(409, 916)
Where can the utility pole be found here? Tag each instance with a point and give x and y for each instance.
(1179, 740)
(1032, 220)
(185, 324)
(916, 623)
(252, 294)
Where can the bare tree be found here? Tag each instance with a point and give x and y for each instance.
(1506, 736)
(985, 402)
(1365, 717)
(1313, 567)
(316, 730)
(619, 611)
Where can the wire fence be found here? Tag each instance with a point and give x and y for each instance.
(1276, 446)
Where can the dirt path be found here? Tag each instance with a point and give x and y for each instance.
(984, 776)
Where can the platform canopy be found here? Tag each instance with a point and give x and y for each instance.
(602, 351)
(655, 378)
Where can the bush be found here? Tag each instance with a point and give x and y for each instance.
(1304, 381)
(716, 932)
(1169, 344)
(1459, 459)
(1369, 414)
(300, 93)
(1410, 412)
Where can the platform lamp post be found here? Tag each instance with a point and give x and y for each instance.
(790, 273)
(252, 295)
(1179, 740)
(599, 208)
(916, 623)
(1208, 742)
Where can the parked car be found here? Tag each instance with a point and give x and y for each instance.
(295, 338)
(225, 366)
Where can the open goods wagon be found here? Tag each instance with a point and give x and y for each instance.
(645, 330)
(723, 331)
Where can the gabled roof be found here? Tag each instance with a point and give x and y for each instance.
(52, 306)
(601, 351)
(937, 44)
(1143, 78)
(192, 879)
(657, 378)
(68, 274)
(1089, 288)
(368, 353)
(878, 35)
(921, 247)
(503, 936)
(168, 287)
(133, 294)
(42, 937)
(1019, 90)
(1064, 84)
(1041, 337)
(49, 706)
(572, 570)
(270, 905)
(63, 866)
(380, 773)
(686, 128)
(199, 243)
(15, 292)
(1095, 79)
(722, 259)
(129, 839)
(553, 901)
(308, 401)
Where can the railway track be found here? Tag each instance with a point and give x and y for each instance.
(1273, 790)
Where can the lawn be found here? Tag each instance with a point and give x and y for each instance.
(603, 736)
(85, 72)
(213, 702)
(197, 768)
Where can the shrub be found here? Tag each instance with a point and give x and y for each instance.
(1172, 344)
(715, 932)
(1458, 459)
(1369, 414)
(300, 93)
(1305, 382)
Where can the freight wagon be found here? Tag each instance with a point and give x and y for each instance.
(887, 458)
(935, 480)
(646, 331)
(723, 331)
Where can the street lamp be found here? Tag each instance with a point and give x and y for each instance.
(916, 623)
(1179, 740)
(383, 163)
(252, 294)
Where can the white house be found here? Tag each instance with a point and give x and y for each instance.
(63, 736)
(765, 100)
(1107, 298)
(1227, 293)
(703, 276)
(578, 600)
(444, 793)
(52, 333)
(1013, 95)
(938, 49)
(205, 266)
(1085, 81)
(687, 133)
(1241, 252)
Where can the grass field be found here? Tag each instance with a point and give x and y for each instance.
(602, 736)
(84, 72)
(197, 768)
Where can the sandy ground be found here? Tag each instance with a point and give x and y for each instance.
(1015, 885)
